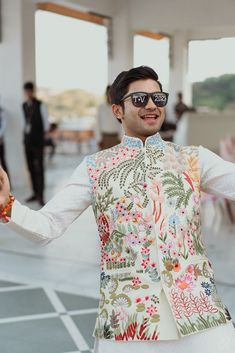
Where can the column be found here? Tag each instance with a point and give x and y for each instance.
(178, 71)
(122, 41)
(17, 64)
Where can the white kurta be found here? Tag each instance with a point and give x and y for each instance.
(217, 177)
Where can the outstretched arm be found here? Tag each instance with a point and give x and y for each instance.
(217, 175)
(54, 218)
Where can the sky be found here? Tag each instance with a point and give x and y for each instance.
(73, 54)
(211, 58)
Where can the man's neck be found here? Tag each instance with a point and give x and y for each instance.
(142, 138)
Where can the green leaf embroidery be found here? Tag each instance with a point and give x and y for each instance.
(175, 189)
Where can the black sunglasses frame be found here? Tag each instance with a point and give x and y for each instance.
(148, 95)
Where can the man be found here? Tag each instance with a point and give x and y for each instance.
(108, 130)
(156, 282)
(181, 107)
(2, 146)
(36, 125)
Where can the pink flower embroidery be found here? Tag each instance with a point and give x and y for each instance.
(103, 229)
(182, 212)
(138, 300)
(152, 309)
(170, 245)
(196, 199)
(136, 281)
(145, 263)
(145, 251)
(190, 269)
(185, 282)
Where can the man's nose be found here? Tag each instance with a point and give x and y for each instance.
(150, 104)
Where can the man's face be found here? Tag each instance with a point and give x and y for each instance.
(144, 121)
(29, 94)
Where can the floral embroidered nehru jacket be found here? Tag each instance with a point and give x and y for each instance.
(146, 201)
(156, 282)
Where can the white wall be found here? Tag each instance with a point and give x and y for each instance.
(16, 65)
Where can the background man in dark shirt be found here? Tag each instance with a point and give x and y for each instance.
(35, 127)
(181, 107)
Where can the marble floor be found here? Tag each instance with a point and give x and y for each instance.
(38, 319)
(48, 295)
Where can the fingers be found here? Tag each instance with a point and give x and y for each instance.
(1, 183)
(2, 172)
(2, 178)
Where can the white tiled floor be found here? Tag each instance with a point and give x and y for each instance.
(37, 319)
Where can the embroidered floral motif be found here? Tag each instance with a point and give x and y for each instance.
(176, 188)
(147, 204)
(103, 227)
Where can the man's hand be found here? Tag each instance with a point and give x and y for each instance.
(4, 188)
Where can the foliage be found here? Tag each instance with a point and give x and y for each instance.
(217, 93)
(70, 103)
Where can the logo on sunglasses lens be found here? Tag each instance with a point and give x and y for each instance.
(159, 97)
(140, 99)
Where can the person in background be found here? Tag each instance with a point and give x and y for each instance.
(49, 140)
(2, 146)
(108, 129)
(181, 107)
(36, 126)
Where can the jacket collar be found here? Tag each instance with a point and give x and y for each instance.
(154, 140)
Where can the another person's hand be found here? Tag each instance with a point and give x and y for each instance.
(4, 188)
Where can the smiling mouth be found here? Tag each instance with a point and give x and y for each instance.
(149, 116)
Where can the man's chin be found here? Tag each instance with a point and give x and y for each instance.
(152, 129)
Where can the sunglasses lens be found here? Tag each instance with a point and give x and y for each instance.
(159, 99)
(139, 99)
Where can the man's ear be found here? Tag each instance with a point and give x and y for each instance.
(117, 111)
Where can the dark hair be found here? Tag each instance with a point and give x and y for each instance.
(107, 89)
(107, 94)
(29, 86)
(120, 86)
(180, 95)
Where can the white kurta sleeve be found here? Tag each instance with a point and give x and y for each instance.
(54, 218)
(217, 175)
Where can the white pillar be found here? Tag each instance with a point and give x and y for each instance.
(178, 71)
(17, 64)
(122, 41)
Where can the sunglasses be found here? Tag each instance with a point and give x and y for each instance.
(140, 99)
